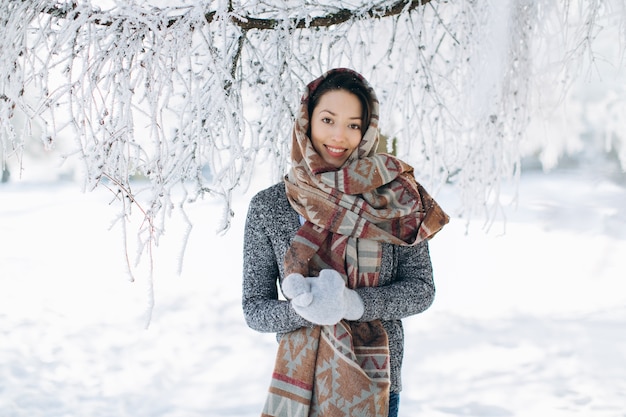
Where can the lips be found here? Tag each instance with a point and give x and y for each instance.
(335, 152)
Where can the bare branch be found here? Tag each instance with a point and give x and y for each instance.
(179, 103)
(341, 16)
(249, 22)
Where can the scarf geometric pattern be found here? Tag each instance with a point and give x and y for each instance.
(343, 370)
(332, 371)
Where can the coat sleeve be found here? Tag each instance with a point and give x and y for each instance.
(262, 308)
(411, 290)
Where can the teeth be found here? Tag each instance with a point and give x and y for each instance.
(335, 150)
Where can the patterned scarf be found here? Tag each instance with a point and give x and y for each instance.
(343, 370)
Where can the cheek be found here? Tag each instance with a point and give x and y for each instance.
(319, 134)
(355, 139)
(318, 129)
(315, 138)
(314, 133)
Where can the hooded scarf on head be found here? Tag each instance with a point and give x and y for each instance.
(349, 212)
(372, 198)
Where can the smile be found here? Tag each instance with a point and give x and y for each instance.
(335, 151)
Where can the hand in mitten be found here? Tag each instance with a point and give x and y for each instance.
(351, 300)
(323, 300)
(354, 305)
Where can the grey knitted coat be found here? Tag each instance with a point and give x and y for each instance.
(406, 281)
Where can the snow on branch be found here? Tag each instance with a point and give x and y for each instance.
(166, 105)
(251, 22)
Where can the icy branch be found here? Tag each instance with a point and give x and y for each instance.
(169, 105)
(251, 22)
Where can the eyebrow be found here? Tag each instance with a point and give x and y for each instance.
(334, 114)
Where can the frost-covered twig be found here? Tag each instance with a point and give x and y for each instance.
(175, 104)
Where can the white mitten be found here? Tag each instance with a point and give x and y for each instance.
(297, 289)
(323, 300)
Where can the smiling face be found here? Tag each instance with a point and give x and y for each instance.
(336, 126)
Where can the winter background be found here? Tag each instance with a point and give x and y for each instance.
(528, 320)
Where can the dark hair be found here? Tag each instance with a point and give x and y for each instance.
(350, 82)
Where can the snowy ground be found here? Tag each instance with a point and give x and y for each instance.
(529, 323)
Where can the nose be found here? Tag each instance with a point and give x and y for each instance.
(340, 133)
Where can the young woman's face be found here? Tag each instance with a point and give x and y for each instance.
(336, 126)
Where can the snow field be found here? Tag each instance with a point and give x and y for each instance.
(528, 318)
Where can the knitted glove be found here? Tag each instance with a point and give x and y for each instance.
(324, 300)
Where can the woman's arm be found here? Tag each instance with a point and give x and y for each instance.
(262, 309)
(411, 291)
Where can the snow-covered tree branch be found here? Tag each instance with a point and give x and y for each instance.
(193, 95)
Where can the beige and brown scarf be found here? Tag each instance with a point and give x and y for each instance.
(343, 370)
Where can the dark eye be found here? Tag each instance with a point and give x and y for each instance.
(355, 126)
(326, 120)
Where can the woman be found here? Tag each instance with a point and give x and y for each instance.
(345, 235)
